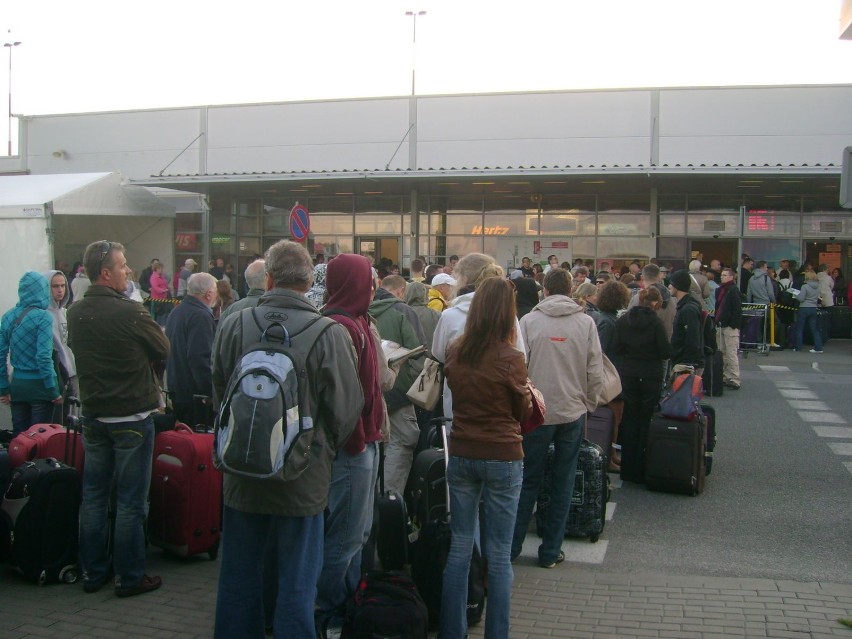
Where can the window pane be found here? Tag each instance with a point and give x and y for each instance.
(674, 224)
(461, 245)
(331, 224)
(188, 222)
(609, 224)
(624, 247)
(276, 220)
(671, 249)
(509, 222)
(583, 247)
(710, 224)
(564, 223)
(464, 223)
(378, 205)
(639, 203)
(773, 251)
(378, 224)
(671, 203)
(332, 244)
(714, 203)
(330, 205)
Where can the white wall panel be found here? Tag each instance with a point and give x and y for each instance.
(604, 127)
(354, 134)
(755, 125)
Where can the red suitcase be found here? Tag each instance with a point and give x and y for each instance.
(41, 441)
(185, 515)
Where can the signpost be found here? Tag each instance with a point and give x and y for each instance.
(300, 223)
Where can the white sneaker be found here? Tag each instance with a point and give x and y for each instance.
(813, 350)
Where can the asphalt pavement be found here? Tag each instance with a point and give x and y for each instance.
(765, 551)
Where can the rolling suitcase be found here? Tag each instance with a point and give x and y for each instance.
(429, 557)
(600, 426)
(425, 493)
(674, 455)
(41, 511)
(392, 536)
(710, 414)
(41, 441)
(186, 494)
(587, 514)
(712, 376)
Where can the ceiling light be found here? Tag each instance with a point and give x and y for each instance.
(483, 183)
(373, 192)
(312, 186)
(594, 182)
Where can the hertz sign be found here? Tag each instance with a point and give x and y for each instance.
(490, 230)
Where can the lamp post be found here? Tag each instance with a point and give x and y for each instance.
(414, 15)
(11, 46)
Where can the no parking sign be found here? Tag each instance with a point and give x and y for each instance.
(300, 223)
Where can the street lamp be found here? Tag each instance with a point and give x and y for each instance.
(414, 15)
(11, 46)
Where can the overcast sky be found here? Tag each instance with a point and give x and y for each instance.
(93, 55)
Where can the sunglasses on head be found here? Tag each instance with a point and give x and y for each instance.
(106, 247)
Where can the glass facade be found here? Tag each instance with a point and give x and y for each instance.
(615, 227)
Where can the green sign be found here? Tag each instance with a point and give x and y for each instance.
(219, 238)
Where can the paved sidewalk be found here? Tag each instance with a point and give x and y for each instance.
(569, 601)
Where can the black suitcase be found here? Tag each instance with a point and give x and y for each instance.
(712, 376)
(42, 507)
(674, 455)
(394, 526)
(429, 556)
(600, 426)
(587, 514)
(426, 493)
(710, 415)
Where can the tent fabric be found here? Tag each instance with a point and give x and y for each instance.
(31, 196)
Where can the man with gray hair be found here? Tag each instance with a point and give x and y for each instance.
(274, 525)
(190, 330)
(255, 281)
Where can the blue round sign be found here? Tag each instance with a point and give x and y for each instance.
(300, 223)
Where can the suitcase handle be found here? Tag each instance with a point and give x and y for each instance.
(440, 424)
(184, 427)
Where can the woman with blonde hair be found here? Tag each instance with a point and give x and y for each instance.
(586, 295)
(485, 453)
(470, 272)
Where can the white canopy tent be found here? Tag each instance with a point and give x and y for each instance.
(45, 219)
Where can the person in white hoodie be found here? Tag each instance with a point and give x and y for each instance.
(60, 296)
(566, 365)
(469, 272)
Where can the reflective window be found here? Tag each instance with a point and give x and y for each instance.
(331, 224)
(639, 203)
(461, 245)
(188, 222)
(773, 251)
(565, 223)
(276, 220)
(330, 205)
(469, 223)
(609, 224)
(378, 224)
(624, 247)
(710, 224)
(332, 244)
(671, 249)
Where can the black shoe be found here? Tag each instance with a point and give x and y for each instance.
(146, 585)
(91, 586)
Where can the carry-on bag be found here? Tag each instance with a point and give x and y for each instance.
(41, 441)
(185, 515)
(674, 455)
(386, 604)
(392, 537)
(426, 490)
(712, 376)
(600, 428)
(587, 514)
(41, 510)
(429, 556)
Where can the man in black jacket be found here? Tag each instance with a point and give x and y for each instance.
(190, 329)
(687, 337)
(729, 316)
(116, 344)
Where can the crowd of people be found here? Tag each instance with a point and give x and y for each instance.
(291, 553)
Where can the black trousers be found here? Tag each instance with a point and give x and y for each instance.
(641, 397)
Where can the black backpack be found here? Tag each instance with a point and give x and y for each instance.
(386, 604)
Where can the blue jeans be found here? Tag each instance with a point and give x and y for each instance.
(25, 414)
(120, 454)
(566, 439)
(807, 316)
(349, 518)
(296, 545)
(468, 479)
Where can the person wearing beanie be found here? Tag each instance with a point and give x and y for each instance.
(687, 340)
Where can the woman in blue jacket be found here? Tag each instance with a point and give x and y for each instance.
(26, 337)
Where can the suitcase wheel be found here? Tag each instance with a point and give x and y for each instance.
(594, 539)
(69, 575)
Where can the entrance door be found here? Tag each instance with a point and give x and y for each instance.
(377, 247)
(723, 250)
(836, 255)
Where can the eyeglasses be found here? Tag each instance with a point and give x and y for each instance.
(601, 282)
(106, 247)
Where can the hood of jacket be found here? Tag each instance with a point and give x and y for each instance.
(348, 279)
(558, 306)
(639, 318)
(52, 303)
(462, 303)
(382, 305)
(33, 290)
(416, 294)
(527, 293)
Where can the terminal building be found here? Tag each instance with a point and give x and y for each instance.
(602, 175)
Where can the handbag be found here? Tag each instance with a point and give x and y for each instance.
(611, 383)
(539, 410)
(426, 389)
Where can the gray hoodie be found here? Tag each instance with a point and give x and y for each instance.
(417, 296)
(565, 359)
(60, 326)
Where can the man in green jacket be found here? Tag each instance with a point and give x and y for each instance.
(117, 345)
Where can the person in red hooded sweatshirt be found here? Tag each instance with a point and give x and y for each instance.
(349, 517)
